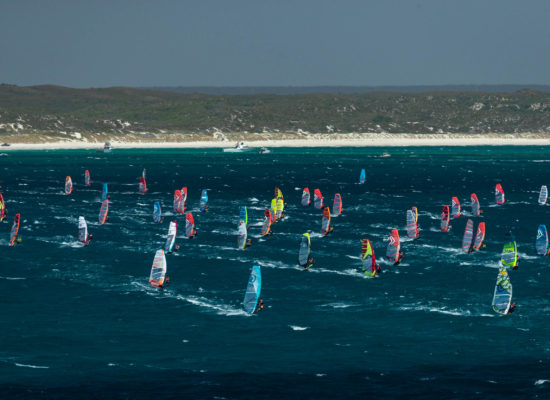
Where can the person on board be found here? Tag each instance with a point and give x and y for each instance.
(248, 244)
(18, 240)
(260, 306)
(90, 237)
(194, 235)
(399, 259)
(516, 266)
(6, 215)
(176, 248)
(165, 283)
(310, 262)
(512, 308)
(377, 268)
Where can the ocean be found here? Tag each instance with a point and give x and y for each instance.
(84, 322)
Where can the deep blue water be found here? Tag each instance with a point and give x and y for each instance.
(83, 322)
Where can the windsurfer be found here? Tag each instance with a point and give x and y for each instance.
(175, 248)
(260, 306)
(195, 234)
(18, 240)
(516, 266)
(401, 255)
(90, 237)
(377, 268)
(5, 215)
(248, 244)
(512, 308)
(166, 283)
(310, 262)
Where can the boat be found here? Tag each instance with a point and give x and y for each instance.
(317, 199)
(103, 211)
(509, 256)
(242, 235)
(543, 195)
(264, 150)
(362, 177)
(87, 180)
(412, 225)
(394, 246)
(106, 148)
(82, 230)
(189, 225)
(266, 225)
(304, 252)
(142, 185)
(306, 197)
(240, 147)
(171, 238)
(68, 185)
(253, 290)
(455, 208)
(541, 243)
(499, 194)
(203, 205)
(14, 229)
(476, 211)
(468, 236)
(368, 260)
(158, 270)
(157, 213)
(502, 297)
(480, 236)
(104, 192)
(325, 221)
(337, 204)
(445, 218)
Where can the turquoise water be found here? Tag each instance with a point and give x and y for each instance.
(84, 321)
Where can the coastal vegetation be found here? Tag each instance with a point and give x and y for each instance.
(121, 111)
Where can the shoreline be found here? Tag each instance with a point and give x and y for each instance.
(310, 140)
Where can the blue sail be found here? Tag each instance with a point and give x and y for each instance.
(253, 290)
(204, 201)
(541, 243)
(157, 212)
(362, 177)
(105, 192)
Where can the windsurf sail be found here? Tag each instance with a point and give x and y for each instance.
(317, 199)
(509, 256)
(2, 208)
(158, 271)
(337, 204)
(480, 236)
(242, 235)
(362, 176)
(306, 197)
(243, 216)
(253, 289)
(82, 230)
(68, 185)
(445, 218)
(184, 195)
(305, 249)
(455, 208)
(103, 211)
(499, 194)
(541, 244)
(278, 193)
(104, 192)
(87, 180)
(476, 211)
(157, 212)
(189, 225)
(368, 259)
(171, 238)
(394, 245)
(142, 185)
(203, 205)
(325, 221)
(415, 213)
(143, 174)
(468, 236)
(412, 226)
(273, 210)
(280, 207)
(266, 226)
(543, 195)
(502, 297)
(14, 229)
(179, 206)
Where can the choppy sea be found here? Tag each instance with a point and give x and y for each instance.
(83, 322)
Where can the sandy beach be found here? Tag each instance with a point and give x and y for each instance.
(303, 140)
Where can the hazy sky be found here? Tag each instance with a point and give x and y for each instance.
(274, 43)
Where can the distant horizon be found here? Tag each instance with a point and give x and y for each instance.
(312, 89)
